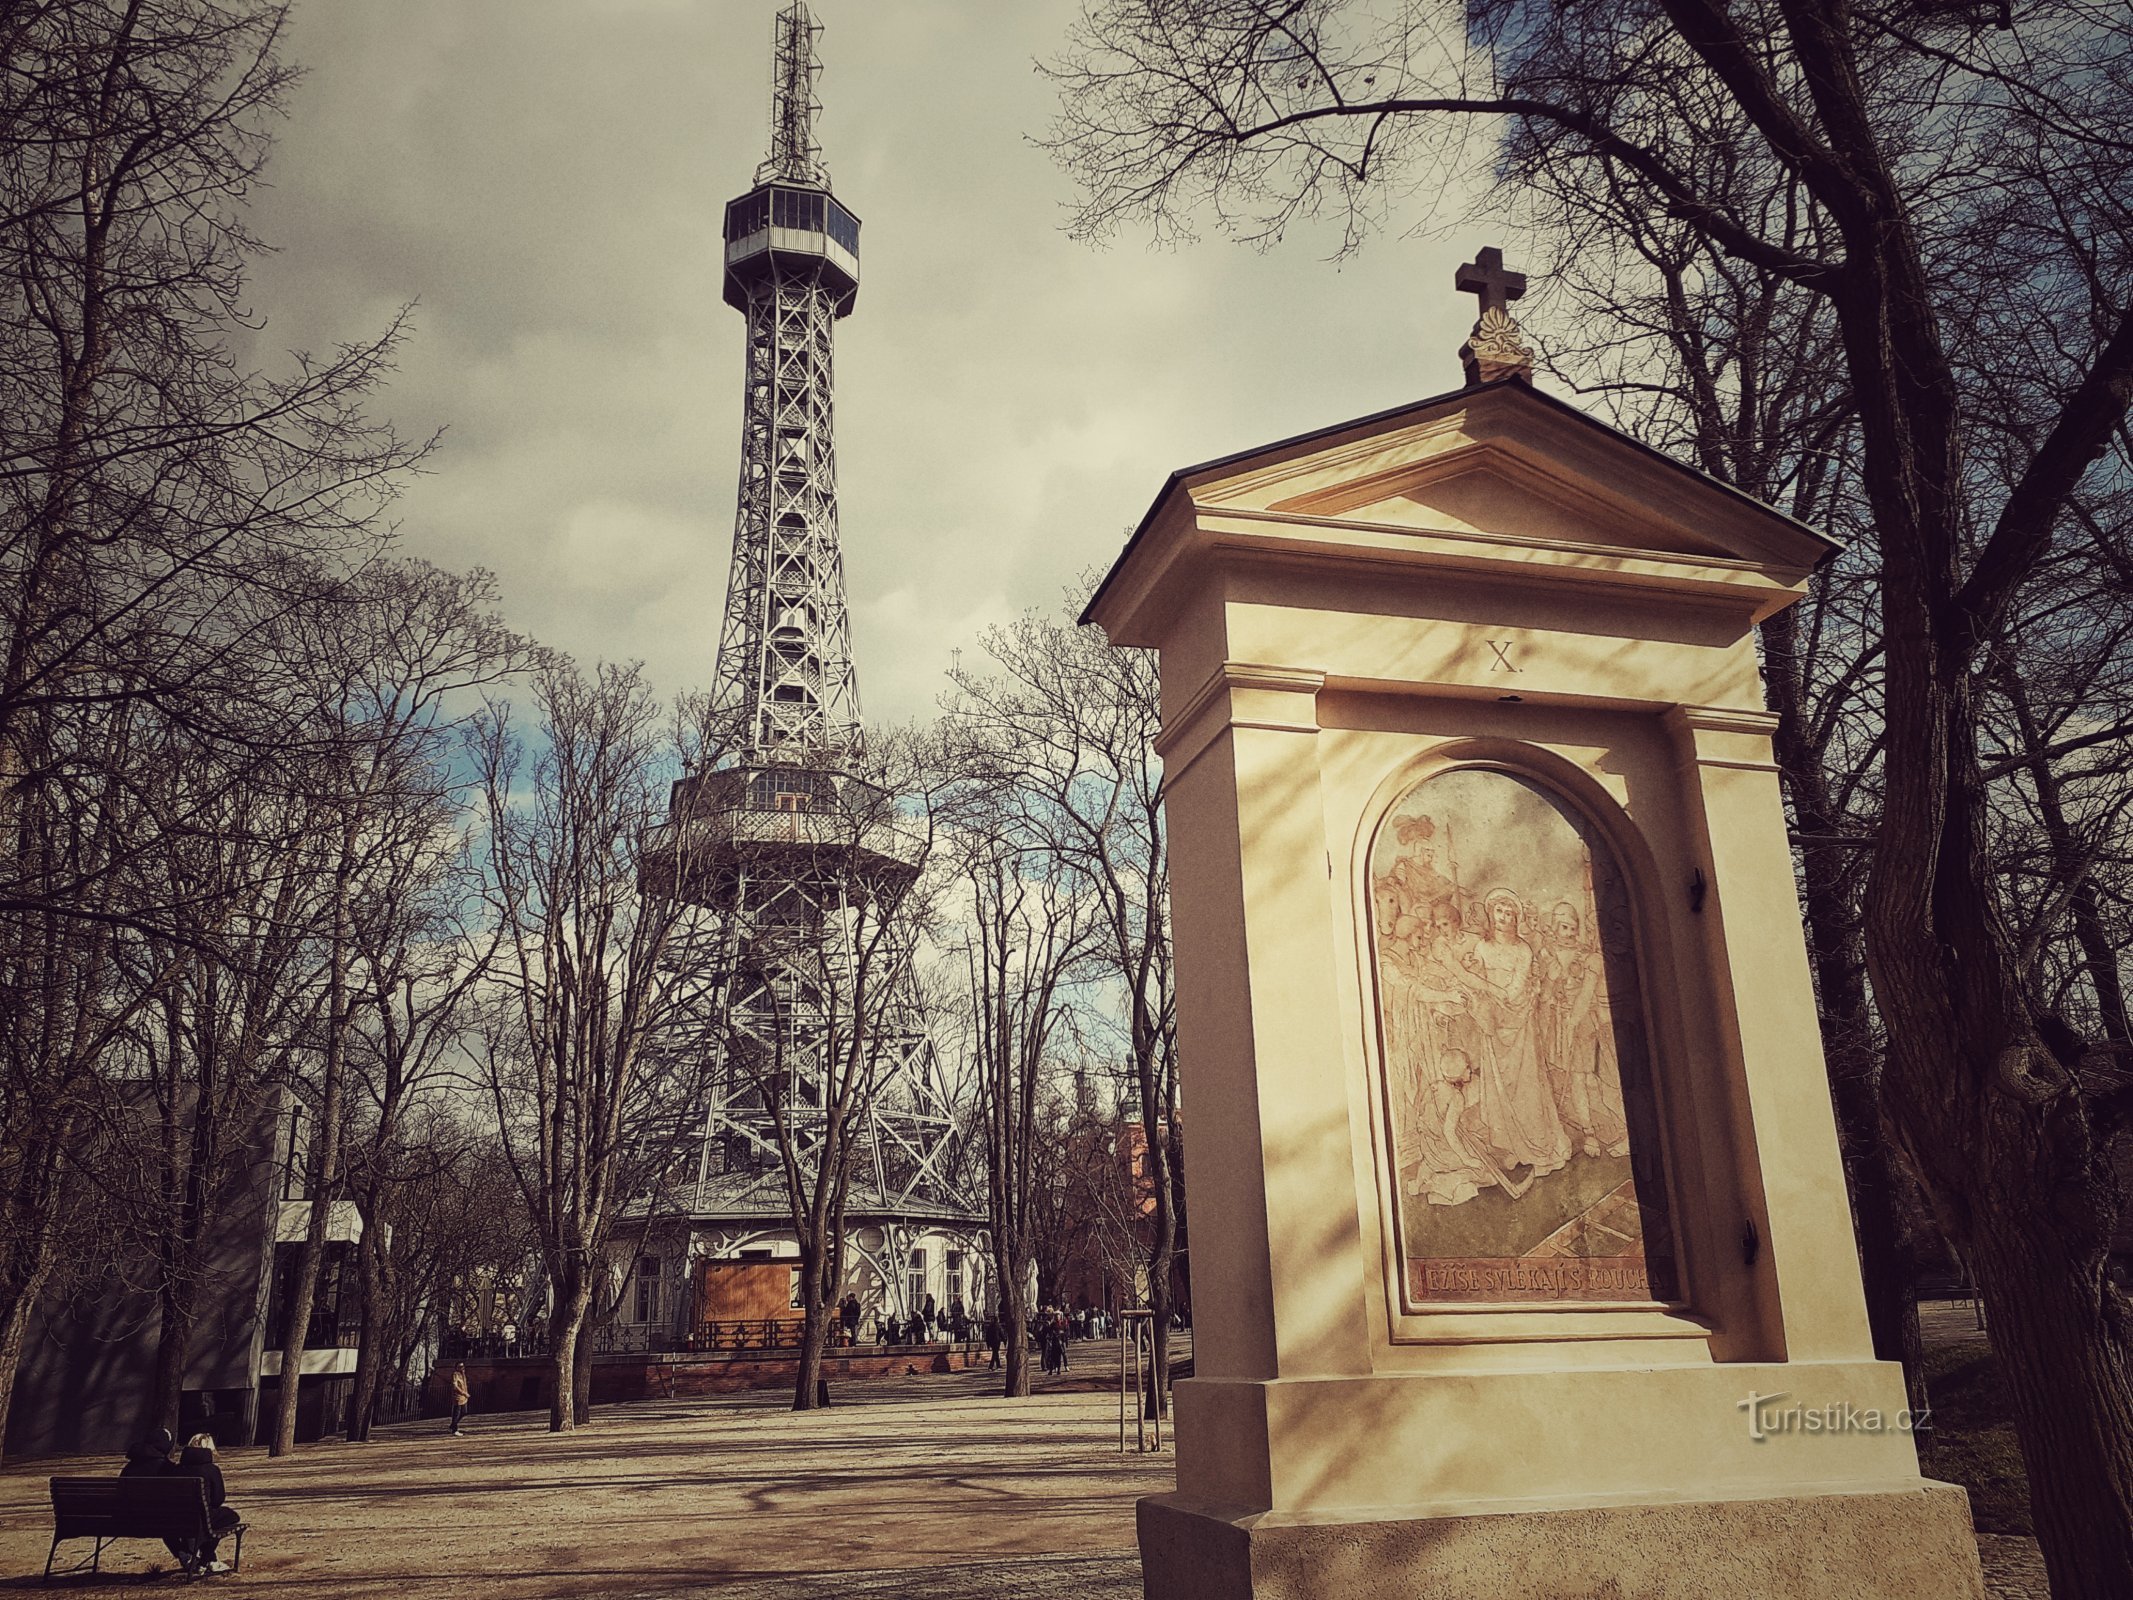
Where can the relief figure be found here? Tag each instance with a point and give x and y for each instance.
(1524, 1149)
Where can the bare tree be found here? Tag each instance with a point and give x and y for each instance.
(1028, 927)
(390, 653)
(238, 1005)
(158, 501)
(415, 962)
(1075, 722)
(584, 985)
(1919, 141)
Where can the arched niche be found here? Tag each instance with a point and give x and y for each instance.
(1521, 1129)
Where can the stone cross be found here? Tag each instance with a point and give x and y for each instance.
(1494, 349)
(1487, 277)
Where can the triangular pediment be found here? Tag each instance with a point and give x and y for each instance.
(1500, 476)
(1485, 490)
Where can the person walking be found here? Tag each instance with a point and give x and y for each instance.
(461, 1396)
(848, 1314)
(992, 1336)
(198, 1461)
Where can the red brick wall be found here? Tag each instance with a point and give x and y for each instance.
(523, 1383)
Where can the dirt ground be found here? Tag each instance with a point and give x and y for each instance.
(919, 1488)
(657, 1497)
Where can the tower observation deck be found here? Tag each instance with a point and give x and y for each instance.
(783, 841)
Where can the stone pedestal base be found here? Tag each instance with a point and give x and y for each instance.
(1902, 1545)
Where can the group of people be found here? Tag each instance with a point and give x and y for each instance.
(1054, 1328)
(924, 1326)
(151, 1458)
(1050, 1327)
(1499, 1029)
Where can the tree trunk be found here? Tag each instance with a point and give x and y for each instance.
(2011, 1161)
(325, 1167)
(1162, 1243)
(27, 1260)
(368, 1339)
(1875, 1183)
(565, 1326)
(2072, 1388)
(14, 1324)
(1013, 1312)
(807, 1389)
(1156, 1402)
(174, 1334)
(1161, 1248)
(178, 1288)
(581, 1373)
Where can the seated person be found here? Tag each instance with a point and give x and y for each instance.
(198, 1460)
(150, 1458)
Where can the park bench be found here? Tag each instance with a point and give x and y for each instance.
(105, 1509)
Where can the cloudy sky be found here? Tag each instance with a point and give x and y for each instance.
(544, 180)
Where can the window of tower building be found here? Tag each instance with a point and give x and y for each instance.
(751, 215)
(844, 227)
(773, 789)
(915, 1280)
(795, 210)
(648, 1268)
(955, 1276)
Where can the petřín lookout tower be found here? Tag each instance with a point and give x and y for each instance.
(795, 855)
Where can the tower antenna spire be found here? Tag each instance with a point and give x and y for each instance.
(794, 155)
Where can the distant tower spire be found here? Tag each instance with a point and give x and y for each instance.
(784, 680)
(794, 156)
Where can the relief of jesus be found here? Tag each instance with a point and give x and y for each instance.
(1522, 1131)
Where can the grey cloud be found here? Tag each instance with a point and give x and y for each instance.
(545, 178)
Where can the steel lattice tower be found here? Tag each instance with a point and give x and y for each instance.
(785, 834)
(792, 267)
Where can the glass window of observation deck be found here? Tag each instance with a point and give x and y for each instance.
(749, 216)
(844, 227)
(792, 210)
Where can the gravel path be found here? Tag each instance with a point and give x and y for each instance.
(925, 1488)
